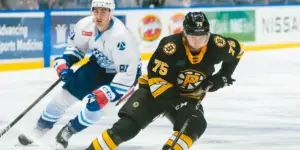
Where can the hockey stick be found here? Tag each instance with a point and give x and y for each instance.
(124, 97)
(186, 123)
(29, 108)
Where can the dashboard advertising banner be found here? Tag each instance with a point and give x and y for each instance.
(21, 35)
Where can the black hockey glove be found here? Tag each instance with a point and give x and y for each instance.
(186, 108)
(217, 81)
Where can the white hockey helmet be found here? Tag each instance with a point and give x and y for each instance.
(110, 4)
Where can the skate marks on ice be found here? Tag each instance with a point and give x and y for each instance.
(127, 147)
(259, 112)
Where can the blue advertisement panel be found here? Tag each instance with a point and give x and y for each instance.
(61, 26)
(21, 37)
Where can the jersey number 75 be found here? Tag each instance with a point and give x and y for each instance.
(161, 67)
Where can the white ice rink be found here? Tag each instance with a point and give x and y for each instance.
(261, 111)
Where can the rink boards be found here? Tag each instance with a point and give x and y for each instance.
(29, 39)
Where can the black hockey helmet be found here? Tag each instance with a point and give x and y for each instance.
(196, 23)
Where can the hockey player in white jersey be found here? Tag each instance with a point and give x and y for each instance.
(111, 71)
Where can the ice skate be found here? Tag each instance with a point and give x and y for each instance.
(63, 137)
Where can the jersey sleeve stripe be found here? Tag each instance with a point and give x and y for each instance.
(143, 79)
(119, 90)
(119, 85)
(74, 53)
(239, 56)
(158, 86)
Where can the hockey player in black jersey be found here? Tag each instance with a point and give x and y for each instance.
(179, 70)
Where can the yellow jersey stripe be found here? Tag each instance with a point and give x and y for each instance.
(156, 81)
(158, 86)
(142, 81)
(161, 89)
(240, 56)
(241, 51)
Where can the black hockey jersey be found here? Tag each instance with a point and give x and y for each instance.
(173, 71)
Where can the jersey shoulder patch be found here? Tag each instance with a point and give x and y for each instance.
(171, 43)
(219, 41)
(169, 48)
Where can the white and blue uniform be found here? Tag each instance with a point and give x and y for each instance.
(113, 67)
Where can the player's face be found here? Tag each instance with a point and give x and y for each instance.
(102, 17)
(196, 42)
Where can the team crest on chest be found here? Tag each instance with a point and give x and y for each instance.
(220, 42)
(189, 80)
(121, 46)
(170, 48)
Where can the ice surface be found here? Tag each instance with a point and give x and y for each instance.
(261, 111)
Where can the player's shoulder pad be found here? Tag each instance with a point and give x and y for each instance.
(233, 42)
(218, 40)
(225, 42)
(121, 38)
(85, 23)
(168, 45)
(229, 47)
(119, 30)
(236, 48)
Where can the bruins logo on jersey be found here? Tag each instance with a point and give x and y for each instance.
(136, 104)
(170, 48)
(188, 80)
(220, 42)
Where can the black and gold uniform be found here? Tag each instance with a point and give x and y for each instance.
(174, 70)
(174, 83)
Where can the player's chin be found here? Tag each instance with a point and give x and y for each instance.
(99, 23)
(196, 48)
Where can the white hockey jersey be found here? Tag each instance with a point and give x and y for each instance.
(115, 49)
